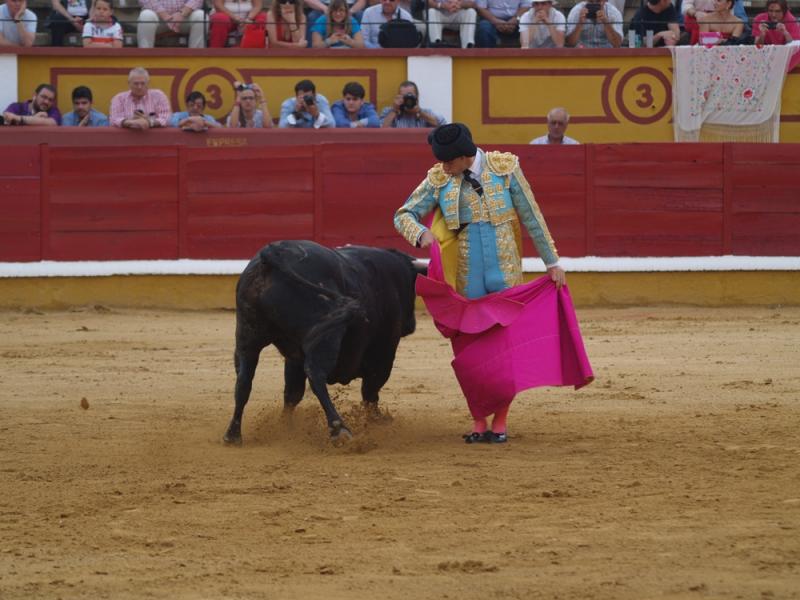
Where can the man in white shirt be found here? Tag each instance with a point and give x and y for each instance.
(459, 15)
(542, 26)
(557, 121)
(17, 24)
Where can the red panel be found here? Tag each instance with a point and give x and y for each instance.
(633, 200)
(20, 246)
(765, 234)
(625, 155)
(19, 161)
(112, 245)
(114, 189)
(761, 154)
(766, 198)
(658, 176)
(97, 216)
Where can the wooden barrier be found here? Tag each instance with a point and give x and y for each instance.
(91, 201)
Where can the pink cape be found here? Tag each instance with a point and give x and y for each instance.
(523, 337)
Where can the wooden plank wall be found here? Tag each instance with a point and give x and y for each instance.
(172, 201)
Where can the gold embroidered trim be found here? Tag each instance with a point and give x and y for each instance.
(437, 177)
(502, 163)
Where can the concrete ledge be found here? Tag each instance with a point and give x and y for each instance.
(199, 292)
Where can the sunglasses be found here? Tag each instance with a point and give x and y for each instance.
(287, 1)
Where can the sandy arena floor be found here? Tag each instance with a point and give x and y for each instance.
(675, 475)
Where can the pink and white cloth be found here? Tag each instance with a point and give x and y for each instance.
(523, 337)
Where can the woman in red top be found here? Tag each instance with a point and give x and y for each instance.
(722, 20)
(286, 24)
(776, 26)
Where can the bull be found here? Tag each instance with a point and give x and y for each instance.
(334, 315)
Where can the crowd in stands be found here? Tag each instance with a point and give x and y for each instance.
(343, 24)
(143, 108)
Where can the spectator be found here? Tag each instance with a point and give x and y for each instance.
(67, 16)
(193, 118)
(40, 110)
(140, 107)
(660, 17)
(406, 111)
(286, 24)
(337, 29)
(241, 16)
(542, 26)
(250, 109)
(179, 16)
(317, 8)
(101, 31)
(777, 26)
(594, 25)
(17, 24)
(499, 18)
(307, 109)
(83, 114)
(557, 121)
(722, 21)
(458, 15)
(694, 9)
(377, 15)
(351, 110)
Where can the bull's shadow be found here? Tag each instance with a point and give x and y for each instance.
(334, 315)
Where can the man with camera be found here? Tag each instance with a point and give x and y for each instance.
(594, 25)
(307, 109)
(40, 110)
(407, 113)
(140, 107)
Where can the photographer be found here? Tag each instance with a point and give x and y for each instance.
(594, 25)
(776, 26)
(306, 109)
(250, 108)
(406, 111)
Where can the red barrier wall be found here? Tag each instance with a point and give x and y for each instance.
(167, 201)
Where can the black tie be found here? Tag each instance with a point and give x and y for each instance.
(476, 185)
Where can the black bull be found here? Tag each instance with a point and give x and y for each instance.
(334, 315)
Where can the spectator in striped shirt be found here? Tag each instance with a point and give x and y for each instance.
(180, 16)
(141, 107)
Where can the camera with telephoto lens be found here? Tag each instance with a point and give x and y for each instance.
(409, 101)
(591, 10)
(772, 24)
(309, 99)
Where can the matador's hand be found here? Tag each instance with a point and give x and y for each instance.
(426, 239)
(558, 275)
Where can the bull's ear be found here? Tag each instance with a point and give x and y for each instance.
(420, 266)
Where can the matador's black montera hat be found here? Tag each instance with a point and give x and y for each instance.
(451, 141)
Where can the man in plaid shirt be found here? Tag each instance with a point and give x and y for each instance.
(140, 108)
(180, 16)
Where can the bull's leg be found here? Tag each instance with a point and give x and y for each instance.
(245, 361)
(374, 379)
(320, 360)
(294, 377)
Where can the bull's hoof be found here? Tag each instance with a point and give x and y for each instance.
(340, 435)
(374, 414)
(232, 439)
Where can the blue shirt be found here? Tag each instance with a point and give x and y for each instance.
(321, 27)
(180, 116)
(366, 112)
(96, 119)
(304, 119)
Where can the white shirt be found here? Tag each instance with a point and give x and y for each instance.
(545, 140)
(539, 34)
(102, 33)
(371, 21)
(9, 28)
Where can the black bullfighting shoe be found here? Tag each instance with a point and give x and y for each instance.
(475, 437)
(496, 438)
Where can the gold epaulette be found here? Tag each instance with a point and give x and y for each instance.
(502, 163)
(437, 177)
